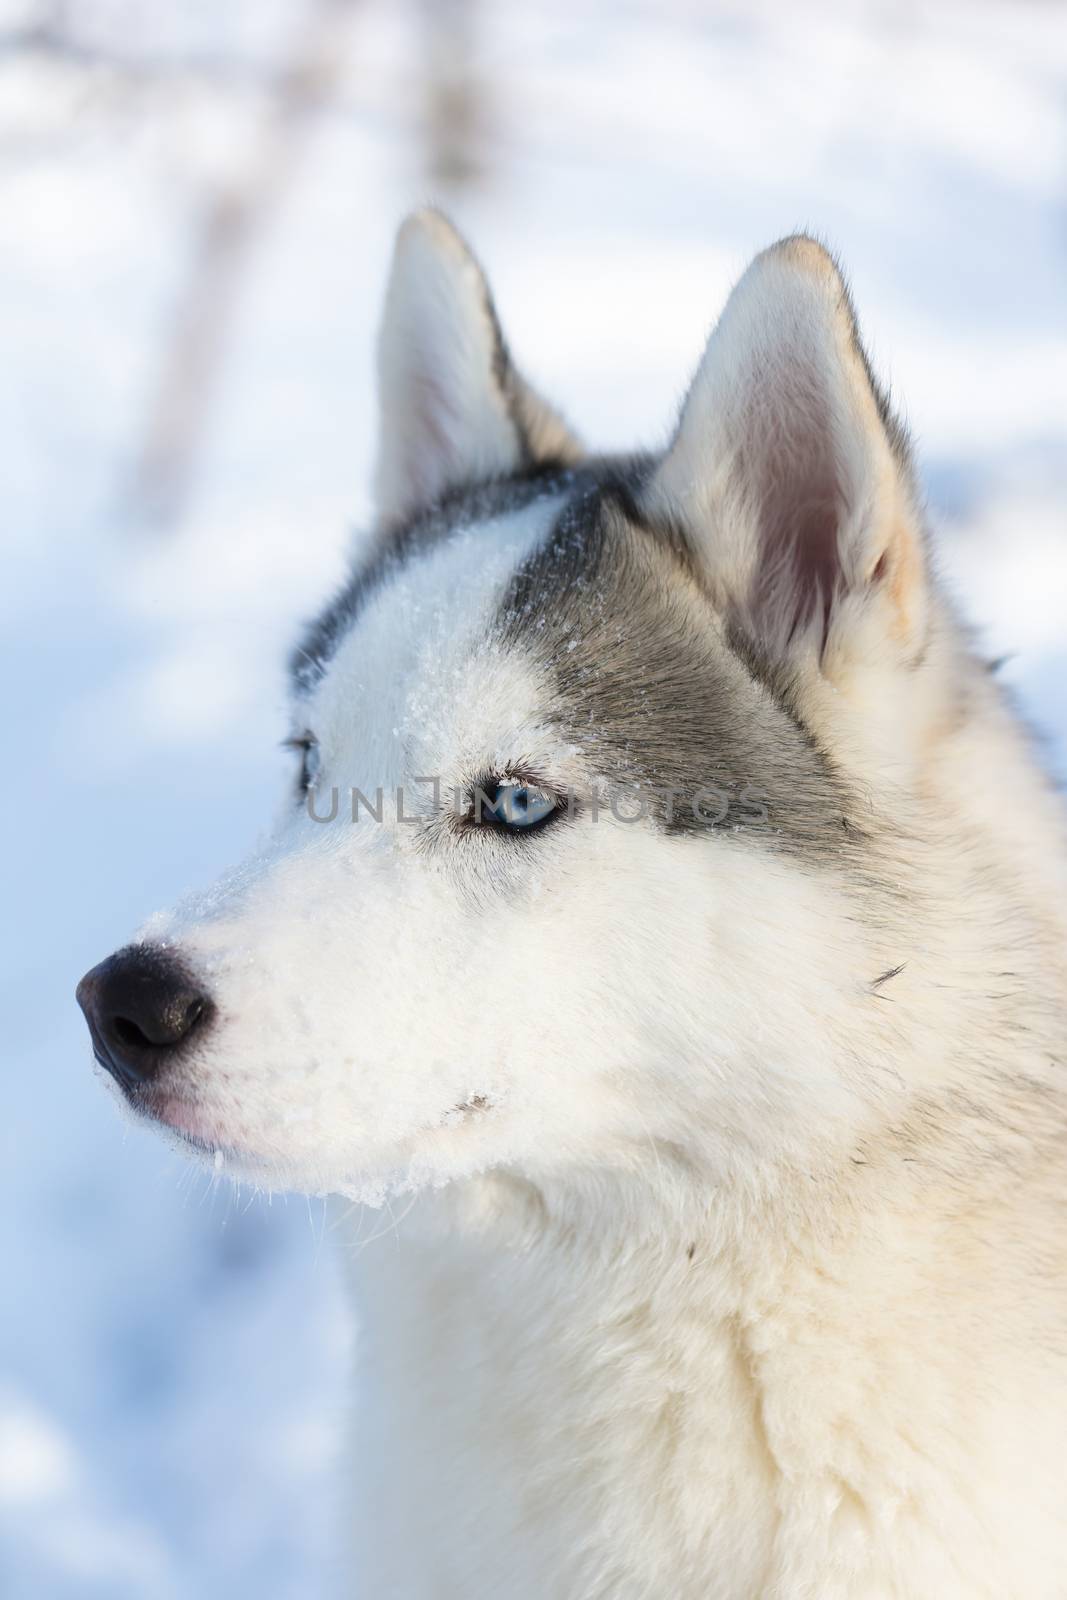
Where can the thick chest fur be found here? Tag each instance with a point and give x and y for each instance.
(643, 1422)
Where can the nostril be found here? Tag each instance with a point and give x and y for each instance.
(129, 1033)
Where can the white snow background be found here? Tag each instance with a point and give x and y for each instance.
(174, 1358)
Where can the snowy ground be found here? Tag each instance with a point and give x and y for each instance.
(172, 1358)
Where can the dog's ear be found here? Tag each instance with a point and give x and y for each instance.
(453, 409)
(790, 476)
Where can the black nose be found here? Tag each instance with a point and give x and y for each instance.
(141, 1005)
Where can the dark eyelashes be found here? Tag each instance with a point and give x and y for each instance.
(302, 744)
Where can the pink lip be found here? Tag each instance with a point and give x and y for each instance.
(180, 1118)
(205, 1137)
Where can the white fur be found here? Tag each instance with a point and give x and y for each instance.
(722, 1273)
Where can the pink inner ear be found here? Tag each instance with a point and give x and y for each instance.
(796, 483)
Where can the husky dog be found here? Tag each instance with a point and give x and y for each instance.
(672, 910)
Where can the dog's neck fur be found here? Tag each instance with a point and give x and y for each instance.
(606, 1398)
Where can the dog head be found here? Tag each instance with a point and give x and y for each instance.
(583, 861)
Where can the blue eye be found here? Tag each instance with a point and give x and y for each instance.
(518, 807)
